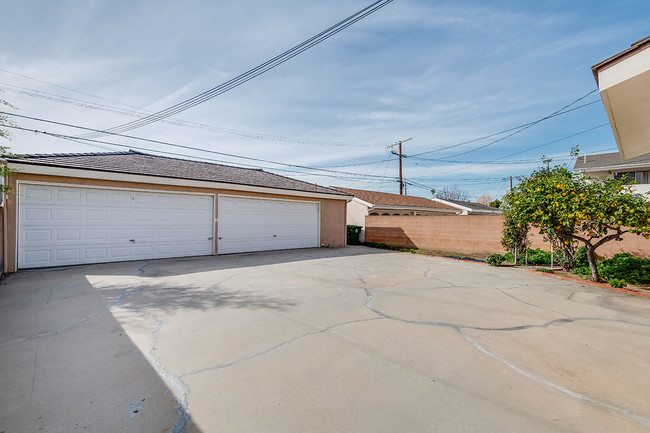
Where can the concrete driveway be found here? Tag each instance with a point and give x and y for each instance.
(324, 340)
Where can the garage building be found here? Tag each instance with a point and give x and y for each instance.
(103, 207)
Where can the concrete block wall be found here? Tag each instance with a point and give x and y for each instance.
(470, 234)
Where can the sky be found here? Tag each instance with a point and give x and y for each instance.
(452, 75)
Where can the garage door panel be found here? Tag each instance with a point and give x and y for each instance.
(76, 225)
(96, 235)
(67, 235)
(120, 198)
(248, 224)
(38, 257)
(68, 196)
(144, 216)
(97, 197)
(69, 255)
(40, 194)
(37, 214)
(97, 216)
(38, 236)
(95, 255)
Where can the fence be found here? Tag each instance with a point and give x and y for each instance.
(470, 234)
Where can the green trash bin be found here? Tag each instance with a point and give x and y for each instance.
(353, 234)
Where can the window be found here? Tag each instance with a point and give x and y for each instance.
(641, 177)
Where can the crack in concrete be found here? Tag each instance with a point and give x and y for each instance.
(55, 331)
(182, 390)
(273, 348)
(529, 303)
(459, 330)
(69, 325)
(426, 275)
(625, 412)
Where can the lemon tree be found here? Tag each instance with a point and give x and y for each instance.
(570, 209)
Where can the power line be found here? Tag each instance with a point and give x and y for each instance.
(516, 130)
(161, 142)
(495, 161)
(176, 122)
(339, 175)
(67, 88)
(252, 73)
(94, 143)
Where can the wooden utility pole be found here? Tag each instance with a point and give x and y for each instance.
(511, 177)
(399, 143)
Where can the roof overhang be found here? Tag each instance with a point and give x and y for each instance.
(624, 85)
(457, 206)
(47, 170)
(378, 207)
(365, 203)
(618, 167)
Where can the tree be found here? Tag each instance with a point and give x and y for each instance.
(453, 192)
(485, 199)
(496, 203)
(4, 150)
(569, 208)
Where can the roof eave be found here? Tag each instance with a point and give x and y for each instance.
(411, 208)
(30, 167)
(618, 57)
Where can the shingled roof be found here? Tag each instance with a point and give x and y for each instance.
(139, 163)
(609, 161)
(386, 199)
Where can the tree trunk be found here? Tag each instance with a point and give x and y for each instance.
(591, 258)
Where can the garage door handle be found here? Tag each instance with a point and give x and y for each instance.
(210, 238)
(219, 238)
(132, 241)
(275, 236)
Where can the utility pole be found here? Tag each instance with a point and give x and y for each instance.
(399, 143)
(506, 178)
(511, 177)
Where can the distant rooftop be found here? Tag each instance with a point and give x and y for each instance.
(139, 163)
(474, 205)
(388, 199)
(609, 161)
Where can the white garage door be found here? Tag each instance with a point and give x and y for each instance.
(247, 224)
(60, 225)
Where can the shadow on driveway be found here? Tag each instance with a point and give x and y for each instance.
(67, 364)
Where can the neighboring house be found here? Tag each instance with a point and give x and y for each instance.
(624, 85)
(610, 165)
(103, 207)
(470, 207)
(367, 203)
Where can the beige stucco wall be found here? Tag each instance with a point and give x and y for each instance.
(332, 222)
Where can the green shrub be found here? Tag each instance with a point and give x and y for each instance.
(583, 271)
(546, 270)
(540, 257)
(496, 259)
(381, 246)
(581, 258)
(626, 267)
(618, 283)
